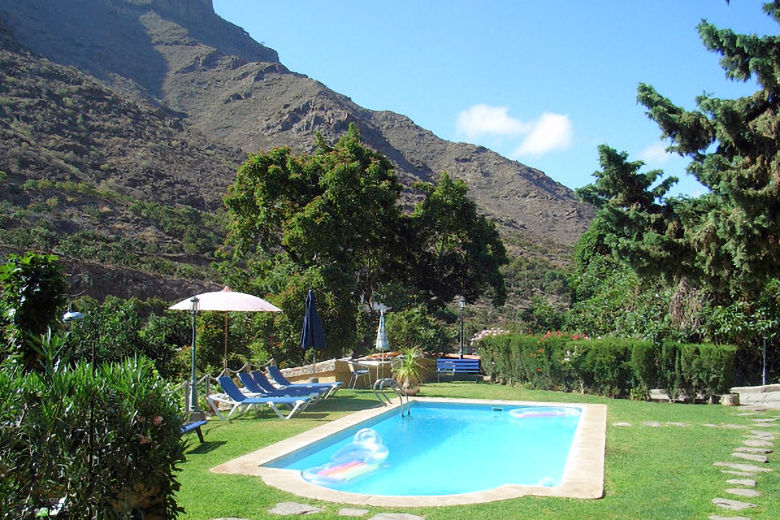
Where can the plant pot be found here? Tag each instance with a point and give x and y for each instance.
(410, 388)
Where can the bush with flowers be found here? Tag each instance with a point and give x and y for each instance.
(80, 442)
(487, 333)
(496, 337)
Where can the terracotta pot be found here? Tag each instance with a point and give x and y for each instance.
(410, 388)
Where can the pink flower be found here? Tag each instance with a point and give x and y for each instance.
(157, 420)
(144, 440)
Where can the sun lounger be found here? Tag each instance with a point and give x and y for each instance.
(282, 381)
(193, 427)
(268, 390)
(236, 399)
(265, 385)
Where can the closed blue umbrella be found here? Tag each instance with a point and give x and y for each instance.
(312, 335)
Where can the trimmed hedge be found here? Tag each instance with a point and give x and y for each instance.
(611, 367)
(82, 445)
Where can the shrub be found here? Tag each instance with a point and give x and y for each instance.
(705, 370)
(644, 361)
(604, 366)
(32, 289)
(118, 329)
(717, 368)
(611, 367)
(85, 443)
(415, 328)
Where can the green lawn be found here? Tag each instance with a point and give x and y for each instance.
(663, 472)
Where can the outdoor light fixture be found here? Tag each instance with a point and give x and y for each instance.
(72, 315)
(462, 305)
(194, 382)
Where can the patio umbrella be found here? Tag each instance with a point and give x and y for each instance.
(312, 335)
(381, 336)
(223, 301)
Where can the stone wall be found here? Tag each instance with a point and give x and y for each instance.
(767, 396)
(338, 370)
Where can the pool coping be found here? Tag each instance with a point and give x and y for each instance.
(583, 475)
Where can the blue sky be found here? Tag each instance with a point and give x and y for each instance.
(543, 82)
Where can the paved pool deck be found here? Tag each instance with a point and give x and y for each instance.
(583, 476)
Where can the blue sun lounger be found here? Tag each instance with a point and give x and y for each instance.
(261, 388)
(262, 381)
(282, 381)
(239, 402)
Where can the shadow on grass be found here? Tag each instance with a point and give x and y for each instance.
(206, 447)
(345, 404)
(317, 411)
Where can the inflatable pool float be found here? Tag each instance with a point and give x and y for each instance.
(363, 455)
(541, 411)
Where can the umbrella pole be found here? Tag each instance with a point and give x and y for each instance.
(225, 358)
(194, 410)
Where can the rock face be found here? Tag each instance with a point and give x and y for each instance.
(123, 121)
(180, 54)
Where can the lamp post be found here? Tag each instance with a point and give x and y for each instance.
(193, 409)
(461, 305)
(71, 315)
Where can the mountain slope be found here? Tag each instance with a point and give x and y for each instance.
(123, 121)
(96, 176)
(181, 54)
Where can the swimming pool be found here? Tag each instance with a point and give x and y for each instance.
(442, 455)
(443, 449)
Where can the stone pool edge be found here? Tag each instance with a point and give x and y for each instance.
(583, 476)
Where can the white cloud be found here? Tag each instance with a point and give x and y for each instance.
(549, 132)
(481, 119)
(655, 154)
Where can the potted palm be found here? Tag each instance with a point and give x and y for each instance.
(408, 369)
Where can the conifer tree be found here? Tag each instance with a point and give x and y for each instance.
(734, 231)
(729, 238)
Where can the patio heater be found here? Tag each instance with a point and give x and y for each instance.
(461, 305)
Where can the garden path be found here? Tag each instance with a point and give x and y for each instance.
(753, 459)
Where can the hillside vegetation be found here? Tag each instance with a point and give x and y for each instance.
(123, 122)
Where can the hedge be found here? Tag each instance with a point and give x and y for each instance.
(611, 367)
(78, 444)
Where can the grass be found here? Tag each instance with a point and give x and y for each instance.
(650, 472)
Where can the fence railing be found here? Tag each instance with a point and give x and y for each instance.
(208, 381)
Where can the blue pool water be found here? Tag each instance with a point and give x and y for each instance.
(443, 449)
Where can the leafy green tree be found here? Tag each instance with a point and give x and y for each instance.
(117, 329)
(32, 293)
(417, 328)
(459, 251)
(541, 315)
(109, 331)
(333, 221)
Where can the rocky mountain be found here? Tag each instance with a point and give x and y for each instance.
(157, 101)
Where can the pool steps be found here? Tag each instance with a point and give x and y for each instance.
(381, 385)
